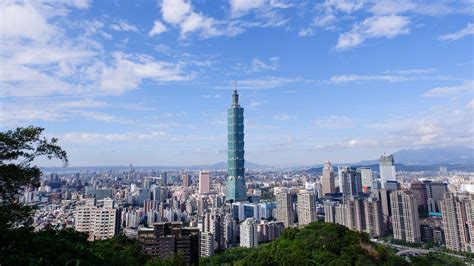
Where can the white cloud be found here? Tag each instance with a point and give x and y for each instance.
(347, 6)
(240, 7)
(174, 11)
(390, 76)
(24, 22)
(469, 30)
(467, 88)
(259, 65)
(128, 72)
(255, 104)
(374, 27)
(158, 28)
(122, 25)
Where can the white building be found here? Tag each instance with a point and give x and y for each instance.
(306, 207)
(248, 233)
(98, 222)
(207, 244)
(406, 224)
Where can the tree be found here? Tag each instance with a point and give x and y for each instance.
(18, 149)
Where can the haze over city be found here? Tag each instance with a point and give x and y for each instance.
(337, 80)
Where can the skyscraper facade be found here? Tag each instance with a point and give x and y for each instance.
(284, 208)
(406, 224)
(306, 207)
(204, 182)
(350, 182)
(327, 180)
(387, 169)
(249, 233)
(236, 188)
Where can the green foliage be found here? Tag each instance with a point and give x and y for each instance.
(68, 247)
(18, 148)
(317, 243)
(436, 259)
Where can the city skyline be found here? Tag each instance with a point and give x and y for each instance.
(342, 81)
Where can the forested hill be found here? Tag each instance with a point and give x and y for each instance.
(320, 244)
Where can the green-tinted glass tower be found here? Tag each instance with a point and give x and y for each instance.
(236, 189)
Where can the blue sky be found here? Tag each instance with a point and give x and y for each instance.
(149, 82)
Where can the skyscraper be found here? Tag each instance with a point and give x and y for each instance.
(236, 189)
(367, 178)
(204, 182)
(406, 224)
(284, 211)
(186, 180)
(350, 182)
(327, 180)
(387, 169)
(306, 207)
(249, 233)
(456, 224)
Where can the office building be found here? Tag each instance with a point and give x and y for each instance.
(248, 233)
(236, 188)
(328, 185)
(406, 225)
(367, 178)
(387, 169)
(166, 239)
(306, 207)
(186, 180)
(418, 189)
(164, 179)
(204, 182)
(350, 182)
(434, 193)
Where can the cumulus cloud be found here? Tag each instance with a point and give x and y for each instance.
(129, 70)
(239, 7)
(374, 27)
(158, 28)
(469, 30)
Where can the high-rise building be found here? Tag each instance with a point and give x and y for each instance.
(329, 212)
(455, 222)
(204, 182)
(387, 169)
(166, 239)
(406, 225)
(350, 182)
(374, 224)
(186, 180)
(164, 179)
(434, 193)
(207, 244)
(268, 231)
(284, 208)
(236, 188)
(248, 233)
(214, 223)
(327, 180)
(306, 207)
(418, 189)
(367, 178)
(99, 222)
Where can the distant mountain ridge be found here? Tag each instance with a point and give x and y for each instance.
(430, 156)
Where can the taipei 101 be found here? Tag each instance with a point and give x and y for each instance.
(236, 132)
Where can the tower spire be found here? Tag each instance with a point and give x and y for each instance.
(235, 96)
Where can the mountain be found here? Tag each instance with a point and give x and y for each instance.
(430, 156)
